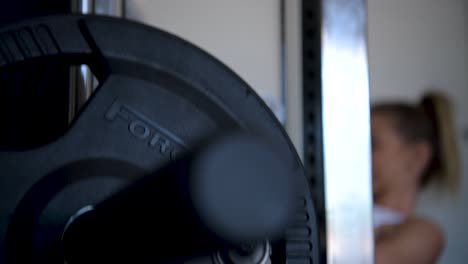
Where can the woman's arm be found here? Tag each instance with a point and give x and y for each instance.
(417, 241)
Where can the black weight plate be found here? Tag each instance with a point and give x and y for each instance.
(158, 96)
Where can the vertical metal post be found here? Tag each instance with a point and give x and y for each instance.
(81, 78)
(283, 56)
(82, 81)
(72, 91)
(311, 99)
(346, 131)
(110, 7)
(293, 72)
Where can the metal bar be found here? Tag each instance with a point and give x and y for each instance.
(85, 83)
(312, 109)
(72, 93)
(85, 80)
(82, 80)
(293, 48)
(283, 54)
(110, 7)
(210, 214)
(346, 131)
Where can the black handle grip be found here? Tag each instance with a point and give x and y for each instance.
(228, 193)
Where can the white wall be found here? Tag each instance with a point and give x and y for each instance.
(243, 34)
(414, 44)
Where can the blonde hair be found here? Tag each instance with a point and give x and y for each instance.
(445, 168)
(430, 121)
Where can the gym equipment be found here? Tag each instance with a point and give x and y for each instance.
(168, 129)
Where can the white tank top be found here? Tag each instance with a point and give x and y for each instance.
(386, 216)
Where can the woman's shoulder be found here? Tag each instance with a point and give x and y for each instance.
(424, 228)
(416, 240)
(423, 235)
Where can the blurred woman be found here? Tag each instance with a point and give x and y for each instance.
(413, 146)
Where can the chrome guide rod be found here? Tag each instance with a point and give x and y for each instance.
(346, 132)
(293, 74)
(81, 78)
(82, 81)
